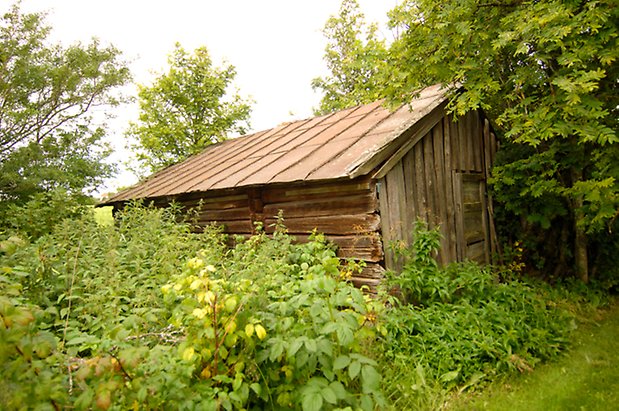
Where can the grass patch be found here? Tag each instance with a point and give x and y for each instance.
(586, 378)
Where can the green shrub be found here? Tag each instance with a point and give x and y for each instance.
(143, 313)
(459, 324)
(41, 212)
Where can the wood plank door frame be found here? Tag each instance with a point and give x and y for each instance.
(464, 204)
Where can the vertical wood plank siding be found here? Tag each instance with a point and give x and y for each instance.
(442, 181)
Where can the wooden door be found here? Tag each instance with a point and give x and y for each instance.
(471, 217)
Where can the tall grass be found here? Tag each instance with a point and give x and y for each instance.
(585, 378)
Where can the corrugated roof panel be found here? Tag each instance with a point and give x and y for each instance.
(166, 181)
(221, 168)
(330, 146)
(338, 165)
(316, 159)
(260, 175)
(306, 138)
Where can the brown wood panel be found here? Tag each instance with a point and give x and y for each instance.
(361, 185)
(386, 221)
(477, 139)
(240, 213)
(470, 189)
(420, 178)
(354, 204)
(372, 270)
(473, 226)
(412, 202)
(397, 209)
(449, 195)
(441, 209)
(462, 147)
(216, 205)
(456, 152)
(469, 125)
(331, 224)
(479, 135)
(366, 248)
(476, 251)
(397, 201)
(457, 190)
(430, 180)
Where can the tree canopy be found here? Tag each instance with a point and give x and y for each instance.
(547, 74)
(48, 96)
(356, 59)
(186, 109)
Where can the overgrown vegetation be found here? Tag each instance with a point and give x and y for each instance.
(546, 74)
(145, 313)
(459, 326)
(587, 378)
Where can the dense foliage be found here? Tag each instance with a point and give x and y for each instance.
(186, 109)
(145, 313)
(461, 325)
(355, 57)
(546, 72)
(49, 138)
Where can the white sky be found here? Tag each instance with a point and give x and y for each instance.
(276, 45)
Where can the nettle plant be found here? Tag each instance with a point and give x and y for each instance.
(274, 326)
(135, 316)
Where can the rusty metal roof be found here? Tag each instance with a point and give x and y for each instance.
(328, 147)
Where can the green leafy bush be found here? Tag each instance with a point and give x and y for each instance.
(459, 324)
(144, 313)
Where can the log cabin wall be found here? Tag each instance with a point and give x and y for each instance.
(346, 211)
(442, 181)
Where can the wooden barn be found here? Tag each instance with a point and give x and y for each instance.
(361, 176)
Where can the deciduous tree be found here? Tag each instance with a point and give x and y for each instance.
(48, 94)
(186, 109)
(356, 59)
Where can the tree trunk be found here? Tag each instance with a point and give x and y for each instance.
(581, 257)
(580, 250)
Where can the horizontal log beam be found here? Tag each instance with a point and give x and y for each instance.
(356, 204)
(333, 224)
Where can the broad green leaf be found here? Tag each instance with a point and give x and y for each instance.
(329, 395)
(370, 379)
(353, 369)
(341, 362)
(312, 402)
